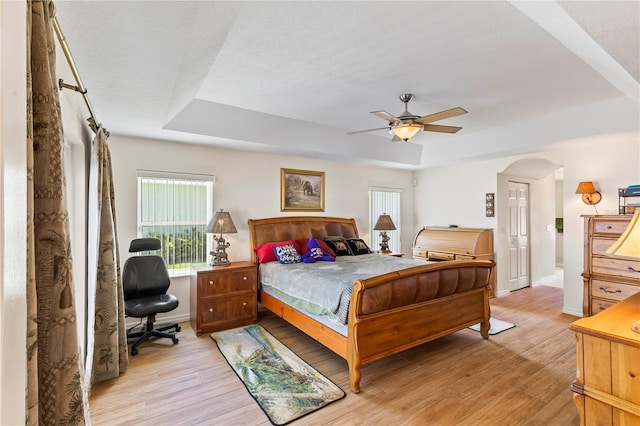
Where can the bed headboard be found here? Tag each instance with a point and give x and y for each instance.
(296, 228)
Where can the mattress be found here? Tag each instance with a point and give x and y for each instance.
(324, 288)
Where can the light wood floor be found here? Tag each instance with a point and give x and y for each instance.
(518, 377)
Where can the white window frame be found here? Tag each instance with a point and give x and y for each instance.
(201, 223)
(389, 201)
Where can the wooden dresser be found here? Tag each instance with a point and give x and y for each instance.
(607, 385)
(223, 297)
(607, 280)
(436, 243)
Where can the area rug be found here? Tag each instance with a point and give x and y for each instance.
(497, 326)
(283, 385)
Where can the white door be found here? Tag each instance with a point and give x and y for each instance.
(518, 235)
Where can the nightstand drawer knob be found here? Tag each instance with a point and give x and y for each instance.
(245, 278)
(244, 303)
(210, 282)
(210, 309)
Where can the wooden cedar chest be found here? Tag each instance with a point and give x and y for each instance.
(439, 243)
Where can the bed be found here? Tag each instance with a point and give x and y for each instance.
(387, 313)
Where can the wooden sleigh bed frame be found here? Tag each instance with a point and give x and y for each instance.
(388, 313)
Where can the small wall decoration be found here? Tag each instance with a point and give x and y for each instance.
(489, 204)
(301, 190)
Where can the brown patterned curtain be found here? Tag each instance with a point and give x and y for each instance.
(107, 349)
(55, 391)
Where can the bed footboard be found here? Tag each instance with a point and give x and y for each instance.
(396, 311)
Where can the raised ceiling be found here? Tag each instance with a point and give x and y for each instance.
(294, 77)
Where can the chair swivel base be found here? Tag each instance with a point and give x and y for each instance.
(149, 332)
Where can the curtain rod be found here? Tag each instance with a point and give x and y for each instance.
(93, 123)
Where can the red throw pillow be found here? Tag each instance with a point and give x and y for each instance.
(265, 251)
(305, 248)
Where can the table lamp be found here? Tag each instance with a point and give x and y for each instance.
(383, 225)
(221, 223)
(628, 247)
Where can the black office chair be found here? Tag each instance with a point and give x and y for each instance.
(145, 281)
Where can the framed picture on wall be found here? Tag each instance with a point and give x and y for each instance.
(301, 190)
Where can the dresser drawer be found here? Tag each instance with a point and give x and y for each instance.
(420, 253)
(464, 257)
(616, 267)
(227, 282)
(612, 290)
(599, 246)
(599, 305)
(435, 255)
(616, 227)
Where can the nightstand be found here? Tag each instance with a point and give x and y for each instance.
(223, 297)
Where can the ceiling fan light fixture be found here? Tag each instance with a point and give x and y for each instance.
(406, 131)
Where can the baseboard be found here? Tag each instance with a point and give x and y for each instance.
(569, 311)
(503, 293)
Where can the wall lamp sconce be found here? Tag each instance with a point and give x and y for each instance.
(384, 224)
(589, 194)
(221, 223)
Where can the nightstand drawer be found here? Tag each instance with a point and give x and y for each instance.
(213, 284)
(612, 290)
(228, 313)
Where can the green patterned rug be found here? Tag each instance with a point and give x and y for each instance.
(285, 387)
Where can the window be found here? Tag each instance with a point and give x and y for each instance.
(385, 200)
(175, 208)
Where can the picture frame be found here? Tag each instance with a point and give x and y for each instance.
(301, 190)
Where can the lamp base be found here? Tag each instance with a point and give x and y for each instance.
(219, 256)
(384, 245)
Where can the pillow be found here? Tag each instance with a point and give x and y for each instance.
(287, 253)
(265, 251)
(304, 248)
(358, 246)
(339, 246)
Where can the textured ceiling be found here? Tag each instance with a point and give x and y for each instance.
(294, 77)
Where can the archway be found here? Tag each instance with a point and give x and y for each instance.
(539, 175)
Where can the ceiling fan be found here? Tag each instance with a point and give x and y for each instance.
(407, 125)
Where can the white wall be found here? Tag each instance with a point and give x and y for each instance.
(13, 212)
(248, 186)
(455, 195)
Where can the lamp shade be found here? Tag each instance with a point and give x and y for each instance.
(585, 188)
(628, 245)
(406, 131)
(221, 223)
(384, 223)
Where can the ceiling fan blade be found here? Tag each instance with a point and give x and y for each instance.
(386, 116)
(368, 130)
(440, 128)
(453, 112)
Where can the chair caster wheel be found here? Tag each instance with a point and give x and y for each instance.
(175, 340)
(178, 328)
(134, 351)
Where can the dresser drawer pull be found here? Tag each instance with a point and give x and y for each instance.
(210, 282)
(609, 227)
(609, 291)
(244, 303)
(632, 269)
(210, 309)
(245, 278)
